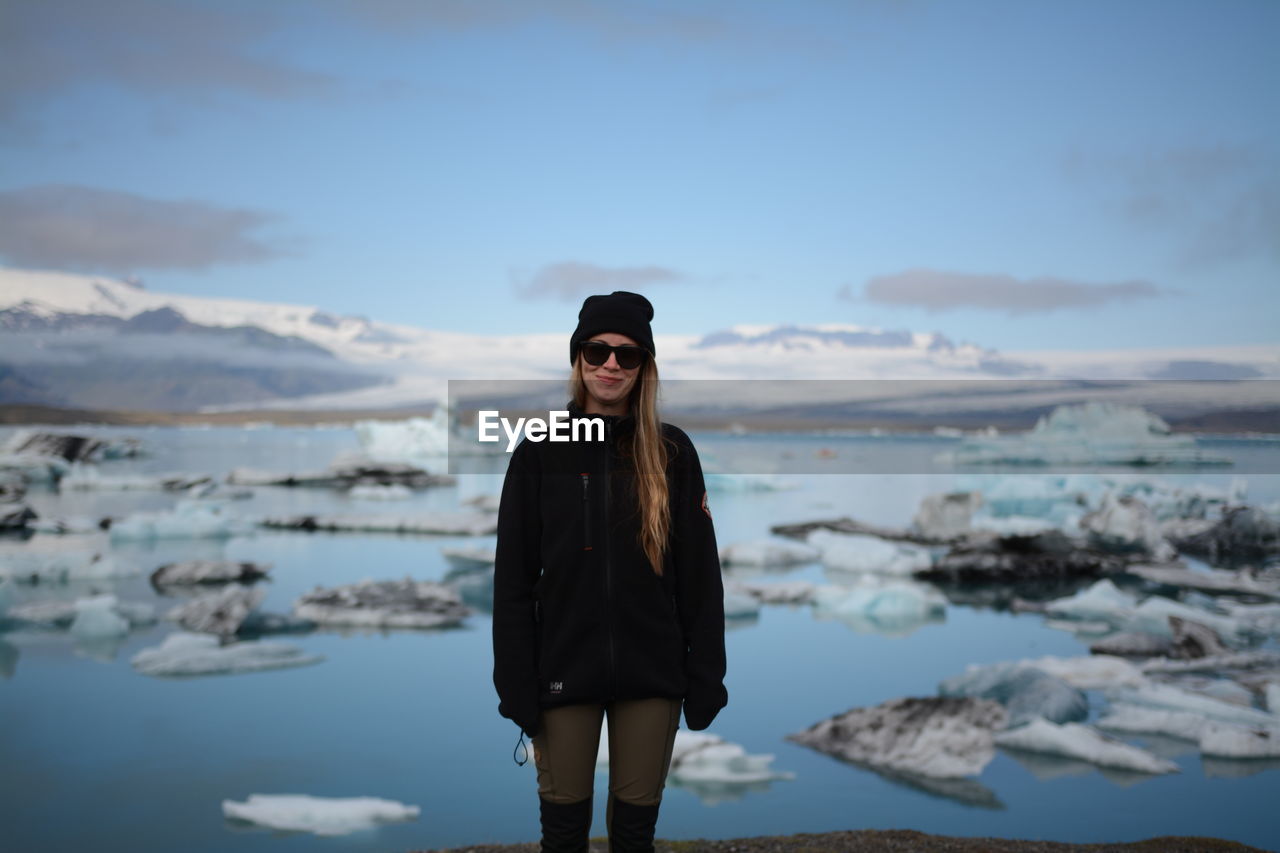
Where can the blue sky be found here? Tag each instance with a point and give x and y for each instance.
(1018, 174)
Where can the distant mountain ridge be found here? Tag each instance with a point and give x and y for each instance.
(90, 341)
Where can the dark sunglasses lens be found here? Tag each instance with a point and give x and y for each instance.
(629, 358)
(595, 354)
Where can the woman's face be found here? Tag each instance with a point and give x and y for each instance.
(609, 385)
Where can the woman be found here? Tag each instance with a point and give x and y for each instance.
(607, 593)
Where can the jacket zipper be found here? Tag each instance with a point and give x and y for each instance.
(608, 565)
(586, 511)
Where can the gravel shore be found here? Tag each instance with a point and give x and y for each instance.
(896, 841)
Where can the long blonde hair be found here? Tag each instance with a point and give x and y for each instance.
(649, 455)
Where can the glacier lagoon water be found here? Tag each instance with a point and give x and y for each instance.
(95, 755)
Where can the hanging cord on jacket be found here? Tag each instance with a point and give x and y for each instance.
(520, 745)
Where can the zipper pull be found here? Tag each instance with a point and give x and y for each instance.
(586, 510)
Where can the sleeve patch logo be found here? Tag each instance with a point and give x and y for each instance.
(705, 508)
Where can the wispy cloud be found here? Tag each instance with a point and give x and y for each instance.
(936, 290)
(1219, 203)
(570, 279)
(156, 47)
(86, 229)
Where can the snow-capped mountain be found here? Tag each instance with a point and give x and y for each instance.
(91, 341)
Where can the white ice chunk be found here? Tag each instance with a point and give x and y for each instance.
(768, 552)
(318, 815)
(384, 604)
(1166, 697)
(1091, 672)
(869, 554)
(34, 467)
(96, 619)
(779, 592)
(723, 764)
(441, 523)
(1123, 523)
(1073, 740)
(412, 439)
(1152, 617)
(188, 520)
(878, 605)
(1102, 601)
(1236, 742)
(392, 492)
(61, 614)
(469, 558)
(62, 566)
(1123, 717)
(739, 605)
(87, 478)
(182, 654)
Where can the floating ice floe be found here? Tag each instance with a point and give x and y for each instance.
(1166, 697)
(1072, 740)
(779, 592)
(1090, 672)
(346, 472)
(935, 736)
(188, 520)
(739, 483)
(384, 604)
(1152, 617)
(1102, 601)
(1251, 660)
(393, 492)
(75, 525)
(69, 448)
(96, 619)
(868, 554)
(1090, 434)
(62, 566)
(184, 654)
(1242, 532)
(1133, 644)
(1215, 738)
(16, 517)
(318, 815)
(1215, 580)
(768, 552)
(985, 557)
(1263, 619)
(33, 468)
(191, 572)
(710, 766)
(1123, 523)
(442, 523)
(948, 514)
(739, 605)
(220, 612)
(408, 439)
(1026, 692)
(876, 605)
(469, 558)
(86, 478)
(63, 614)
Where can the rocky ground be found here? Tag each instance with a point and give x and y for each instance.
(895, 841)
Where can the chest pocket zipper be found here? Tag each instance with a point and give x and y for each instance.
(586, 511)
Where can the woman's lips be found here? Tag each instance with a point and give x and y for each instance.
(606, 380)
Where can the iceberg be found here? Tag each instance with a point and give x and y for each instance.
(1166, 697)
(739, 605)
(62, 614)
(1102, 601)
(16, 517)
(346, 472)
(96, 619)
(62, 566)
(1131, 644)
(189, 520)
(33, 468)
(1091, 433)
(191, 572)
(1125, 525)
(782, 592)
(938, 737)
(1215, 738)
(985, 557)
(1237, 742)
(713, 768)
(868, 554)
(467, 559)
(409, 439)
(768, 552)
(393, 492)
(221, 612)
(1123, 717)
(384, 604)
(318, 815)
(1090, 672)
(1214, 580)
(1072, 740)
(946, 515)
(1025, 691)
(437, 524)
(85, 478)
(881, 606)
(184, 654)
(1243, 532)
(1152, 617)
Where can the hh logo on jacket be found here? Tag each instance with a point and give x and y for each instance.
(557, 687)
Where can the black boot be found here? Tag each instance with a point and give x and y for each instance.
(631, 827)
(565, 826)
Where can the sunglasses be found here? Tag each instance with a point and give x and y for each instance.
(597, 353)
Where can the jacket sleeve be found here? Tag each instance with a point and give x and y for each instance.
(699, 592)
(517, 566)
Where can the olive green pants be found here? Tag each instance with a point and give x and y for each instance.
(641, 734)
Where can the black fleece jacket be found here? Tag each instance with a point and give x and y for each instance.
(579, 615)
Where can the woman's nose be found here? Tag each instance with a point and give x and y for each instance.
(612, 362)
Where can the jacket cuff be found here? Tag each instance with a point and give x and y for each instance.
(700, 711)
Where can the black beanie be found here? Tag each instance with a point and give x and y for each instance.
(622, 312)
